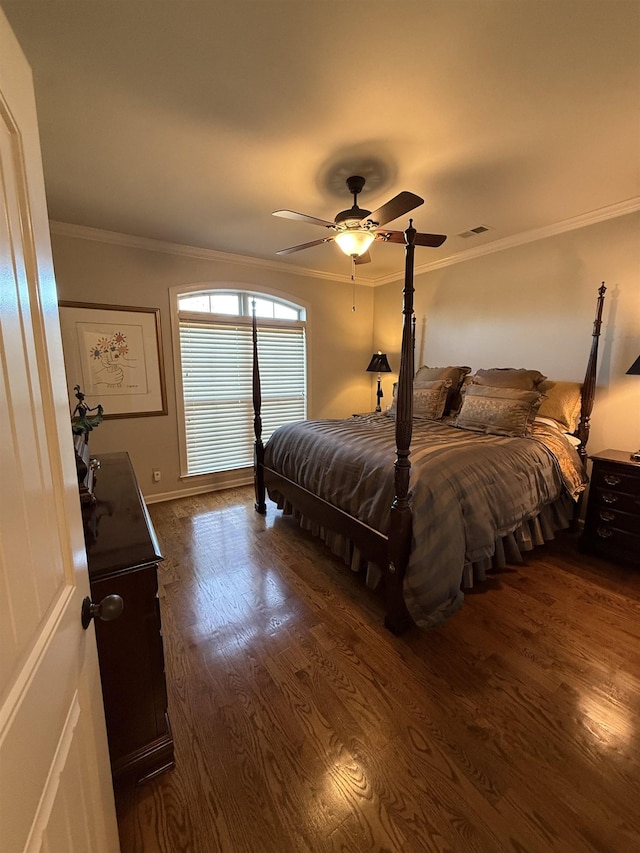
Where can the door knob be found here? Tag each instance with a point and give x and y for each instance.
(109, 609)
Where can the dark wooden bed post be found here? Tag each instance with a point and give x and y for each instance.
(397, 617)
(258, 453)
(413, 341)
(589, 385)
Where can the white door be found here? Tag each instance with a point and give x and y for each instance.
(55, 784)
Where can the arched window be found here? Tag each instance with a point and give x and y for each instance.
(216, 369)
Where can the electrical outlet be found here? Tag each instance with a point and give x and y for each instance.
(156, 475)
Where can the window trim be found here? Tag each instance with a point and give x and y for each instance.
(249, 287)
(247, 295)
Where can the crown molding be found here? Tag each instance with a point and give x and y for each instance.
(149, 244)
(612, 211)
(84, 232)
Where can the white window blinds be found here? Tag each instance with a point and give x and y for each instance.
(217, 370)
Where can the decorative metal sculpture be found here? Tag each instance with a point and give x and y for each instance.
(82, 422)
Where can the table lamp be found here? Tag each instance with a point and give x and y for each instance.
(379, 364)
(634, 370)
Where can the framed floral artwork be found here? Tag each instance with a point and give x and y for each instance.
(114, 353)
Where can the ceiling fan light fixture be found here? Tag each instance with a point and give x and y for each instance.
(355, 229)
(355, 242)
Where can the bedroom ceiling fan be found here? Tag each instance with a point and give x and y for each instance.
(356, 229)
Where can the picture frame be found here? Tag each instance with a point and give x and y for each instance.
(114, 353)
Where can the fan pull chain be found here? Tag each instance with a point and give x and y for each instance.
(353, 279)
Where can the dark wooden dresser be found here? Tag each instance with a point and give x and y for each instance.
(123, 556)
(612, 523)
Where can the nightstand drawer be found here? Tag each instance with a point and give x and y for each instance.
(607, 497)
(605, 518)
(616, 479)
(608, 539)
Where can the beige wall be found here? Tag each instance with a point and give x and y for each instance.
(533, 306)
(340, 342)
(529, 306)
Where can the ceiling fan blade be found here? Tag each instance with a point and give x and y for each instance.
(432, 240)
(302, 217)
(305, 245)
(397, 206)
(364, 258)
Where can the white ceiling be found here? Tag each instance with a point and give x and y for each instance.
(192, 121)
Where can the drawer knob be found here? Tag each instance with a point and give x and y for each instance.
(609, 497)
(604, 532)
(109, 609)
(605, 515)
(612, 479)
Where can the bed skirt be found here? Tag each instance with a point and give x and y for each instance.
(508, 549)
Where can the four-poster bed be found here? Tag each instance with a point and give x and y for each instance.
(406, 524)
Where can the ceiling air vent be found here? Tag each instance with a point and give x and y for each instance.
(479, 229)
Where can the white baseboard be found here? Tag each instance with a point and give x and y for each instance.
(160, 497)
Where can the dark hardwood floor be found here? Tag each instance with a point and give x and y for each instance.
(301, 724)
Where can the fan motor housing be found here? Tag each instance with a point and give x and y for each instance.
(352, 217)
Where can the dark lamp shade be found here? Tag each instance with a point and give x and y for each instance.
(635, 367)
(379, 363)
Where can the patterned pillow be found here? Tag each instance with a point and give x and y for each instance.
(499, 411)
(562, 403)
(429, 399)
(509, 377)
(455, 373)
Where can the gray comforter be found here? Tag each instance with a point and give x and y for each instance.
(467, 489)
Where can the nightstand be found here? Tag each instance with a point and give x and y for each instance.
(612, 523)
